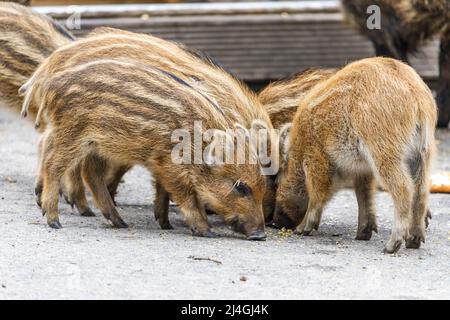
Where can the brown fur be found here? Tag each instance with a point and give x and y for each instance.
(26, 39)
(372, 120)
(198, 71)
(406, 24)
(169, 89)
(282, 98)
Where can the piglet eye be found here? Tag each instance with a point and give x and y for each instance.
(242, 188)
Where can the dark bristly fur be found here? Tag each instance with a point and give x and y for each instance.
(22, 2)
(443, 91)
(406, 24)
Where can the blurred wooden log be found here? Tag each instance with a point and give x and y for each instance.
(256, 41)
(22, 2)
(84, 2)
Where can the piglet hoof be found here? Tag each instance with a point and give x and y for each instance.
(38, 189)
(417, 236)
(299, 230)
(211, 234)
(166, 226)
(413, 243)
(257, 236)
(273, 225)
(66, 198)
(206, 234)
(39, 202)
(54, 224)
(392, 246)
(364, 235)
(302, 232)
(119, 223)
(38, 194)
(69, 201)
(87, 213)
(428, 217)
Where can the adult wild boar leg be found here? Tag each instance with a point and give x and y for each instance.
(161, 206)
(443, 92)
(383, 49)
(365, 193)
(93, 171)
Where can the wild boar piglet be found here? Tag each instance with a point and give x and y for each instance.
(126, 112)
(281, 99)
(373, 120)
(237, 101)
(26, 39)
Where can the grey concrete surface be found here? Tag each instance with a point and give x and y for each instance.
(88, 259)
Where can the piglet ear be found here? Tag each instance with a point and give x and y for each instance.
(284, 141)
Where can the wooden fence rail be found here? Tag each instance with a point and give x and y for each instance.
(257, 41)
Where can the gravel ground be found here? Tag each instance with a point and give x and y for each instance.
(89, 259)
